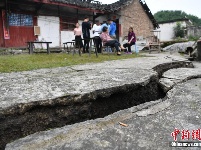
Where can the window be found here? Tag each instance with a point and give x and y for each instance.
(68, 24)
(20, 20)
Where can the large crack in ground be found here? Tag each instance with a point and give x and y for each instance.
(20, 121)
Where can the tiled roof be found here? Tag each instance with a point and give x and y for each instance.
(93, 4)
(149, 14)
(96, 5)
(174, 20)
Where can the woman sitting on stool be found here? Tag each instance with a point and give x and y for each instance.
(131, 40)
(108, 41)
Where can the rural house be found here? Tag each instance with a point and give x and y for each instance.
(54, 20)
(167, 28)
(194, 31)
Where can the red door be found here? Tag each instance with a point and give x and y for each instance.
(19, 35)
(21, 30)
(1, 31)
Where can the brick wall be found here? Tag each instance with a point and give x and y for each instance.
(135, 16)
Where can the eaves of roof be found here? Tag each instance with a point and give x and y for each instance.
(96, 6)
(174, 20)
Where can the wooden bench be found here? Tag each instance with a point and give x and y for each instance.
(30, 46)
(90, 46)
(154, 41)
(68, 48)
(154, 47)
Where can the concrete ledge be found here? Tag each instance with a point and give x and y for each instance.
(175, 76)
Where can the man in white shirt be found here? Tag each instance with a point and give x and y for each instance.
(96, 32)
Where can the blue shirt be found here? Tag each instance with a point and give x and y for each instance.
(105, 25)
(112, 29)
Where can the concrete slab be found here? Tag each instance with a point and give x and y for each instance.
(45, 97)
(45, 84)
(178, 75)
(147, 129)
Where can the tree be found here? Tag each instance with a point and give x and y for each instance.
(178, 30)
(196, 21)
(166, 15)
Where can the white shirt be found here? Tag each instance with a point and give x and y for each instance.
(96, 29)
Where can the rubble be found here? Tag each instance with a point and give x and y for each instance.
(179, 47)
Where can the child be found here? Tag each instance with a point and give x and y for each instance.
(78, 38)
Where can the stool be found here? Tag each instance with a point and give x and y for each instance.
(136, 50)
(108, 50)
(90, 46)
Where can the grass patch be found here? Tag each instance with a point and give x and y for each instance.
(16, 63)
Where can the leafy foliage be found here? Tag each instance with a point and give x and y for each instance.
(193, 38)
(178, 30)
(166, 15)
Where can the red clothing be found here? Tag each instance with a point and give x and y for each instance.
(130, 35)
(105, 37)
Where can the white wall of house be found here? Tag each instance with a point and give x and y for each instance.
(50, 30)
(68, 36)
(167, 30)
(101, 18)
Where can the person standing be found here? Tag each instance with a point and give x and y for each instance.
(78, 38)
(112, 29)
(86, 27)
(105, 24)
(131, 39)
(96, 32)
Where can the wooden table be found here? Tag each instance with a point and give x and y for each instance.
(30, 46)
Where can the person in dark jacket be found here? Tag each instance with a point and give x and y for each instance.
(131, 40)
(86, 27)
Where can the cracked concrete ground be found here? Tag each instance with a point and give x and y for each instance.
(43, 84)
(178, 75)
(150, 131)
(149, 125)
